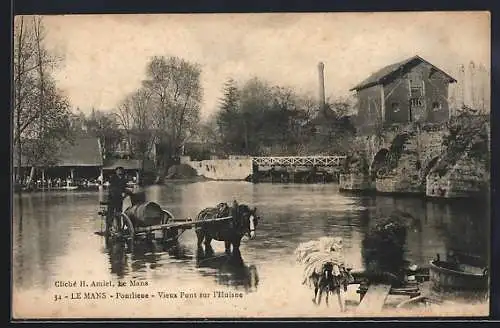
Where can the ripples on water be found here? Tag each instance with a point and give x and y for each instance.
(54, 237)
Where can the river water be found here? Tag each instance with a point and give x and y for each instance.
(54, 241)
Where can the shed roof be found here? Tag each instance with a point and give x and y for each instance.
(388, 71)
(127, 164)
(84, 151)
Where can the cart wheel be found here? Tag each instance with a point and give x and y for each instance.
(114, 226)
(167, 216)
(127, 230)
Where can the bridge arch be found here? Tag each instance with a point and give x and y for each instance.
(428, 167)
(399, 141)
(379, 160)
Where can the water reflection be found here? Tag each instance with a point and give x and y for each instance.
(55, 237)
(118, 259)
(465, 231)
(41, 231)
(437, 226)
(146, 256)
(229, 269)
(143, 256)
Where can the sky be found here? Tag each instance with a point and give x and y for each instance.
(105, 55)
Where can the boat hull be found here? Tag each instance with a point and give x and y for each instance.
(444, 276)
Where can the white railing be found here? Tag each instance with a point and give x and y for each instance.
(299, 160)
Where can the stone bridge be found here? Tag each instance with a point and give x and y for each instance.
(399, 158)
(404, 154)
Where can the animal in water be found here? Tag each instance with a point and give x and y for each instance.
(244, 222)
(333, 279)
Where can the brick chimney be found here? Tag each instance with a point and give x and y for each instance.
(321, 76)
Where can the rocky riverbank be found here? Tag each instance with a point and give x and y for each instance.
(451, 161)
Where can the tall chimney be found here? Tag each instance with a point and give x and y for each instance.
(321, 76)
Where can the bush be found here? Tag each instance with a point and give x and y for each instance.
(467, 134)
(383, 245)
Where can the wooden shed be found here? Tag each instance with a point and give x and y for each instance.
(81, 159)
(407, 91)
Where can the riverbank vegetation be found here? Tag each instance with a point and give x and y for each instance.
(468, 134)
(257, 118)
(160, 120)
(41, 111)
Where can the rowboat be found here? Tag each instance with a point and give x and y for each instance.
(456, 276)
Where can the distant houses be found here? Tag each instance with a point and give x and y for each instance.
(83, 159)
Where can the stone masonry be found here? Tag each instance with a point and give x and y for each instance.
(421, 146)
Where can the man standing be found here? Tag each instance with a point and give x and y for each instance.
(117, 187)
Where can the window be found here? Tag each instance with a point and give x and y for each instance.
(395, 107)
(416, 85)
(415, 90)
(436, 106)
(416, 102)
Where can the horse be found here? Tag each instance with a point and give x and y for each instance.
(244, 221)
(333, 279)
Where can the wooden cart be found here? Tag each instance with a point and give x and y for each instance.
(146, 221)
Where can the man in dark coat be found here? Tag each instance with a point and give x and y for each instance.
(117, 187)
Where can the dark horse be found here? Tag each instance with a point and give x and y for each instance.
(244, 221)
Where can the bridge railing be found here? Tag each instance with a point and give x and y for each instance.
(298, 160)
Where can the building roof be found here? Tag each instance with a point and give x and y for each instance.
(84, 151)
(127, 164)
(379, 76)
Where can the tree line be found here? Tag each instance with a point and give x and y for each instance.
(162, 112)
(165, 111)
(254, 117)
(41, 112)
(259, 119)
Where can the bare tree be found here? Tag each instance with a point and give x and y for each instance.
(104, 126)
(125, 117)
(41, 113)
(135, 115)
(176, 94)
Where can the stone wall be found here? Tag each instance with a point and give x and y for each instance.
(223, 169)
(430, 145)
(466, 178)
(355, 182)
(408, 176)
(407, 169)
(412, 166)
(427, 141)
(396, 183)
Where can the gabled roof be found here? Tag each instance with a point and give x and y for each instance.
(84, 151)
(379, 76)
